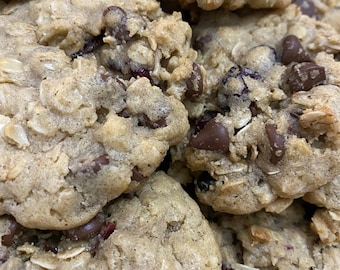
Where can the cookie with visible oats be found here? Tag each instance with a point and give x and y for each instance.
(265, 129)
(90, 103)
(234, 5)
(271, 241)
(160, 227)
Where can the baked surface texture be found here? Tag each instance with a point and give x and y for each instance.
(160, 227)
(181, 134)
(79, 109)
(265, 131)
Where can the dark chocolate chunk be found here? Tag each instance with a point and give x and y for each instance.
(307, 7)
(118, 31)
(304, 76)
(276, 142)
(144, 120)
(214, 136)
(199, 123)
(14, 230)
(194, 83)
(137, 176)
(92, 166)
(292, 51)
(204, 181)
(89, 230)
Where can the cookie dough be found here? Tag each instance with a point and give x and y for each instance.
(265, 129)
(89, 104)
(160, 227)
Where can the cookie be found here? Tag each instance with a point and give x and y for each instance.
(233, 5)
(160, 227)
(273, 241)
(90, 104)
(265, 130)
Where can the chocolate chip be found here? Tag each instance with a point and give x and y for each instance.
(14, 230)
(89, 230)
(101, 114)
(194, 83)
(214, 136)
(307, 7)
(99, 162)
(304, 76)
(292, 51)
(137, 176)
(276, 142)
(253, 109)
(90, 45)
(124, 113)
(200, 43)
(144, 120)
(294, 127)
(199, 123)
(204, 181)
(117, 27)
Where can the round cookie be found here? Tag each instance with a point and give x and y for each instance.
(160, 227)
(75, 130)
(265, 129)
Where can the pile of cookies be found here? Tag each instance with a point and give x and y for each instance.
(188, 134)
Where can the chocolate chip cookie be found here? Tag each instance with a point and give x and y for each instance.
(233, 5)
(160, 227)
(265, 240)
(90, 104)
(265, 130)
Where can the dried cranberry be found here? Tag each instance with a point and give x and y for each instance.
(90, 45)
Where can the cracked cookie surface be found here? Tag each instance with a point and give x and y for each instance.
(76, 129)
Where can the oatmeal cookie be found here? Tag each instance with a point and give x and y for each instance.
(273, 241)
(160, 227)
(266, 128)
(89, 104)
(233, 5)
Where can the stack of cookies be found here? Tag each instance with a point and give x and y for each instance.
(188, 134)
